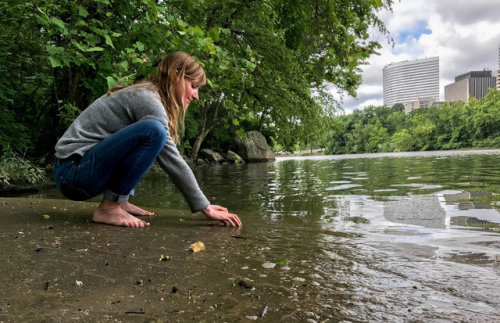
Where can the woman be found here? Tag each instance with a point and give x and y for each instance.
(113, 142)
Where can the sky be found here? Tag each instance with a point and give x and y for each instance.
(464, 34)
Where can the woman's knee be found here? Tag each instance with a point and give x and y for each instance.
(156, 129)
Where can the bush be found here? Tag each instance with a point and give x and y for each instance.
(16, 170)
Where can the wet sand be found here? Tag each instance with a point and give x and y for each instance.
(57, 265)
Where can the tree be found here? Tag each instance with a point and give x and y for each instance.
(486, 118)
(280, 54)
(403, 140)
(268, 62)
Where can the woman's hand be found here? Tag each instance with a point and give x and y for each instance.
(219, 213)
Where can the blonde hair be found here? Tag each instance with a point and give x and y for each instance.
(173, 69)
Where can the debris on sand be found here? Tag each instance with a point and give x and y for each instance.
(268, 265)
(264, 311)
(164, 258)
(245, 285)
(197, 247)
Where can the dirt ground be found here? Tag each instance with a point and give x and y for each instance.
(57, 265)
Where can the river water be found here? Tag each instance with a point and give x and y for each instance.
(378, 237)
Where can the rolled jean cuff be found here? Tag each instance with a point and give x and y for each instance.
(110, 196)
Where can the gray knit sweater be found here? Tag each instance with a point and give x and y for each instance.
(110, 113)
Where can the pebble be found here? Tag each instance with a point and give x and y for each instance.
(378, 300)
(264, 311)
(253, 318)
(245, 285)
(268, 265)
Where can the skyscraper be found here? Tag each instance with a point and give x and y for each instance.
(498, 71)
(471, 84)
(410, 80)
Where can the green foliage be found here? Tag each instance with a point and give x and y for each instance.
(17, 170)
(267, 63)
(12, 133)
(403, 141)
(449, 126)
(275, 59)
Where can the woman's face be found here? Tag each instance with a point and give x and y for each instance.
(185, 95)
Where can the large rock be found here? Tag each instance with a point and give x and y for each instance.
(234, 158)
(211, 156)
(253, 147)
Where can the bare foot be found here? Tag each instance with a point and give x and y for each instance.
(135, 210)
(112, 213)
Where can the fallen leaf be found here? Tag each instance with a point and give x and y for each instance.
(197, 247)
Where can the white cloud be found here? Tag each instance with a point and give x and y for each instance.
(464, 34)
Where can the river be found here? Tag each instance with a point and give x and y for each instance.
(376, 237)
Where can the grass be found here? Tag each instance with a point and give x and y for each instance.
(15, 170)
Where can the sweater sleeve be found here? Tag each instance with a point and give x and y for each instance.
(169, 158)
(176, 167)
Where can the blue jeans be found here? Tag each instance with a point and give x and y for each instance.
(114, 166)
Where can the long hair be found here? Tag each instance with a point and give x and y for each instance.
(173, 69)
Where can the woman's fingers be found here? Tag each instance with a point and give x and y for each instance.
(234, 217)
(217, 212)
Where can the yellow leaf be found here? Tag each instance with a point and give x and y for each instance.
(197, 247)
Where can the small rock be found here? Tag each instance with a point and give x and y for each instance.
(79, 283)
(39, 249)
(175, 289)
(139, 282)
(264, 311)
(268, 265)
(164, 258)
(378, 300)
(245, 285)
(253, 318)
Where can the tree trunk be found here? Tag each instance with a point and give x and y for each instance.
(261, 122)
(197, 143)
(207, 124)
